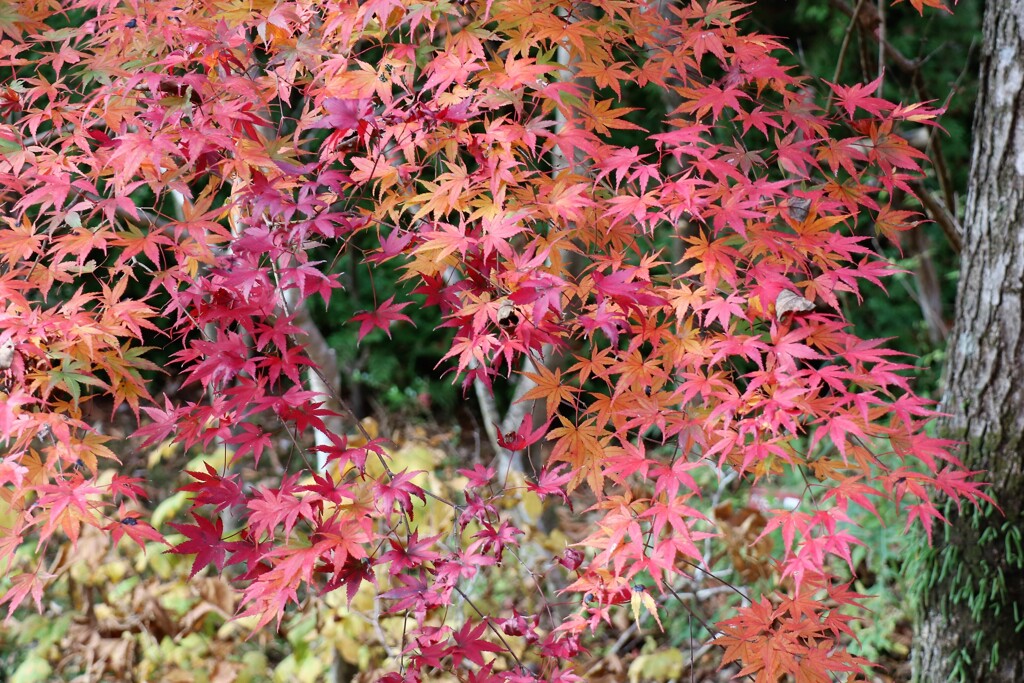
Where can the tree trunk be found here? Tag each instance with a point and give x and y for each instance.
(971, 584)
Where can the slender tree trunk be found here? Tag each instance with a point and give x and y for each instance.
(971, 583)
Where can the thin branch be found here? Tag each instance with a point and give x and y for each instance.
(935, 141)
(938, 212)
(870, 21)
(929, 287)
(491, 626)
(842, 52)
(488, 408)
(881, 47)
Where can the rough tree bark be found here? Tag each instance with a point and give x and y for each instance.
(972, 582)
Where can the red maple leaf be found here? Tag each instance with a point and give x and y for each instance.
(469, 645)
(343, 115)
(204, 541)
(381, 318)
(129, 523)
(410, 555)
(524, 436)
(213, 489)
(400, 488)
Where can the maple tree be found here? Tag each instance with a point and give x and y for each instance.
(173, 171)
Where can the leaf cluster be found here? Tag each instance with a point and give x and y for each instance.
(672, 313)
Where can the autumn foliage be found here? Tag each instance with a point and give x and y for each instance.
(174, 173)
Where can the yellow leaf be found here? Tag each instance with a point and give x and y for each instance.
(642, 597)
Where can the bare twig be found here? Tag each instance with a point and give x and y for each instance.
(929, 287)
(938, 212)
(870, 21)
(842, 52)
(881, 47)
(491, 626)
